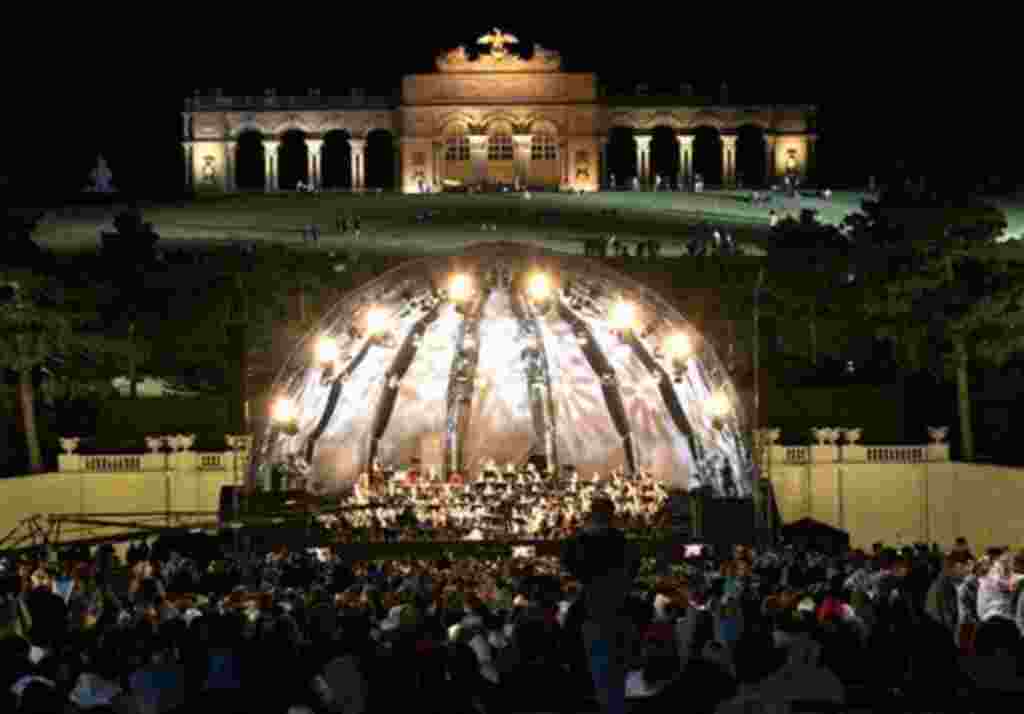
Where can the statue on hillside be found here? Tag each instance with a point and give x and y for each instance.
(101, 180)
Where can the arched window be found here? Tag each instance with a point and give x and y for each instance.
(499, 147)
(544, 148)
(457, 148)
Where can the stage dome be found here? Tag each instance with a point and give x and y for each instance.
(507, 353)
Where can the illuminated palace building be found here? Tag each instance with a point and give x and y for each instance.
(496, 118)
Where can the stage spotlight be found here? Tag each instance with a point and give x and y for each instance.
(285, 415)
(327, 351)
(679, 348)
(622, 318)
(539, 287)
(376, 322)
(460, 289)
(719, 406)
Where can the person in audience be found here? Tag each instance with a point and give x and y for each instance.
(942, 604)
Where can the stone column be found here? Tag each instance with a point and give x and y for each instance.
(812, 156)
(685, 156)
(602, 172)
(563, 160)
(478, 156)
(189, 166)
(769, 159)
(643, 158)
(396, 146)
(522, 146)
(270, 148)
(435, 167)
(728, 159)
(230, 165)
(314, 156)
(358, 160)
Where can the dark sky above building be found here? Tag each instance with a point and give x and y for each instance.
(887, 87)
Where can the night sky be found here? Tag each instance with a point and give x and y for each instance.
(917, 91)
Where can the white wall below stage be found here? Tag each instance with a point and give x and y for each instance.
(901, 495)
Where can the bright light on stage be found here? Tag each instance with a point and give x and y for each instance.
(284, 411)
(461, 288)
(623, 316)
(376, 321)
(678, 346)
(327, 351)
(539, 287)
(719, 405)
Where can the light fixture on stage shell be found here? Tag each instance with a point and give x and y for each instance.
(538, 287)
(718, 406)
(377, 323)
(679, 349)
(327, 354)
(460, 290)
(622, 319)
(539, 291)
(285, 416)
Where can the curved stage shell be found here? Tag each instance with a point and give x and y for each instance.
(511, 372)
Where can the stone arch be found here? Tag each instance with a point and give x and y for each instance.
(705, 118)
(455, 153)
(667, 119)
(623, 120)
(458, 123)
(545, 155)
(336, 171)
(543, 126)
(756, 118)
(500, 150)
(499, 124)
(707, 154)
(381, 156)
(292, 159)
(665, 155)
(621, 154)
(751, 155)
(292, 122)
(249, 125)
(249, 160)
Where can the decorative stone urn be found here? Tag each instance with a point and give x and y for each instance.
(820, 434)
(185, 441)
(154, 444)
(832, 435)
(70, 444)
(172, 442)
(241, 443)
(771, 436)
(938, 433)
(852, 436)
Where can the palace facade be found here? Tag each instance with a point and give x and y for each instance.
(496, 118)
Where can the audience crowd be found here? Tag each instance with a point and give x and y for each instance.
(907, 629)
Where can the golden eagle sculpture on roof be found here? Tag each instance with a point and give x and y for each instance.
(497, 41)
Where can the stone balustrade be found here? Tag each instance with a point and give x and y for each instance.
(856, 454)
(166, 454)
(275, 102)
